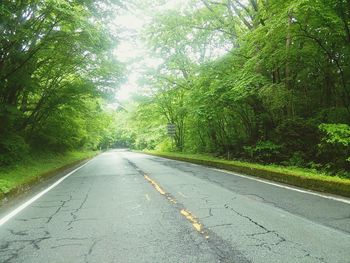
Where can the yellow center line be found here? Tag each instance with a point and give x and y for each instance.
(195, 223)
(171, 200)
(188, 215)
(156, 186)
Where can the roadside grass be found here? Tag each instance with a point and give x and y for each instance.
(305, 178)
(36, 166)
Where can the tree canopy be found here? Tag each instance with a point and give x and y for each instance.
(56, 69)
(260, 80)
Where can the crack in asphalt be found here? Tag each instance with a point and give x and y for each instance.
(266, 231)
(18, 233)
(204, 174)
(67, 245)
(73, 238)
(222, 249)
(91, 248)
(9, 246)
(184, 168)
(75, 211)
(59, 208)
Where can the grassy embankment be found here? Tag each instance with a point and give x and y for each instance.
(16, 178)
(305, 178)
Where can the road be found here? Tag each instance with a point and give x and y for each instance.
(130, 207)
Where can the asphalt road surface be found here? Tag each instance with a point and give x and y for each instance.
(130, 207)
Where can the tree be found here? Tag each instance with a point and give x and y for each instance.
(253, 80)
(55, 58)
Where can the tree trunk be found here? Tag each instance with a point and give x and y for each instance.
(288, 75)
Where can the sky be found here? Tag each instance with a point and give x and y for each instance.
(132, 50)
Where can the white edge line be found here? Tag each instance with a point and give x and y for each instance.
(36, 197)
(285, 187)
(346, 201)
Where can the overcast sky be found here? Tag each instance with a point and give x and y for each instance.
(132, 50)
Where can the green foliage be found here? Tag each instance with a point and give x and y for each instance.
(35, 166)
(297, 136)
(334, 146)
(56, 67)
(296, 160)
(12, 148)
(165, 146)
(251, 80)
(336, 133)
(264, 151)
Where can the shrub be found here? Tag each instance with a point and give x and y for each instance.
(165, 146)
(263, 151)
(334, 147)
(297, 136)
(12, 148)
(296, 160)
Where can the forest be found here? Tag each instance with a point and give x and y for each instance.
(265, 81)
(56, 77)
